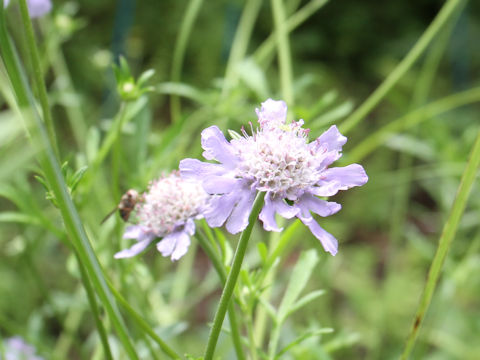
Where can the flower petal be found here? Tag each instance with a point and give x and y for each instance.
(217, 147)
(220, 208)
(175, 244)
(272, 206)
(219, 184)
(135, 249)
(198, 170)
(238, 219)
(272, 114)
(340, 178)
(267, 215)
(332, 140)
(329, 243)
(309, 202)
(135, 232)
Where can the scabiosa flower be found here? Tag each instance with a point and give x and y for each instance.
(276, 159)
(36, 8)
(167, 210)
(17, 349)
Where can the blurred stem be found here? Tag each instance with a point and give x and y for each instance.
(410, 119)
(179, 53)
(444, 243)
(263, 52)
(232, 277)
(240, 43)
(418, 49)
(419, 98)
(222, 274)
(51, 168)
(284, 55)
(65, 86)
(183, 276)
(143, 324)
(38, 75)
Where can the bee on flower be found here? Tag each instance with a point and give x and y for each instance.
(166, 211)
(276, 159)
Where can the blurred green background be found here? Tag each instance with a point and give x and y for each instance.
(388, 230)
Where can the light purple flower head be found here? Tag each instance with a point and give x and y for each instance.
(36, 8)
(276, 159)
(17, 349)
(167, 210)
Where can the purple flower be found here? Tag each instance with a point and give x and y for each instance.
(17, 349)
(276, 159)
(36, 8)
(167, 211)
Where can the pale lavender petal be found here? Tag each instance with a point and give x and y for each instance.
(309, 202)
(332, 140)
(329, 243)
(175, 244)
(217, 147)
(219, 184)
(220, 208)
(197, 170)
(272, 206)
(341, 178)
(238, 220)
(134, 250)
(272, 113)
(136, 232)
(5, 3)
(267, 215)
(37, 8)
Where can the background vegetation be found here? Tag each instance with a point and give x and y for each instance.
(340, 52)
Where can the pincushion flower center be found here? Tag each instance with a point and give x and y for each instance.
(277, 161)
(169, 202)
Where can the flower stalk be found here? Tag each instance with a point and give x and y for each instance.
(232, 277)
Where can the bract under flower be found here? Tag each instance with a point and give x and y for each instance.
(276, 159)
(167, 211)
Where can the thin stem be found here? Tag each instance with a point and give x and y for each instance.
(284, 55)
(222, 274)
(411, 119)
(448, 233)
(50, 166)
(38, 75)
(263, 52)
(240, 43)
(143, 324)
(179, 53)
(232, 277)
(418, 49)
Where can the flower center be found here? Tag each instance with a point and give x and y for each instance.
(169, 203)
(278, 161)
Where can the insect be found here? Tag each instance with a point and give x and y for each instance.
(126, 205)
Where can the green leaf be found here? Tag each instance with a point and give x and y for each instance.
(304, 337)
(300, 275)
(262, 251)
(17, 217)
(305, 300)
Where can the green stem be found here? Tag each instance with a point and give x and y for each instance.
(284, 59)
(179, 53)
(232, 277)
(50, 166)
(264, 51)
(444, 243)
(411, 119)
(143, 324)
(222, 274)
(420, 46)
(38, 75)
(94, 307)
(240, 43)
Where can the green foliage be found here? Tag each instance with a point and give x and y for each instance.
(213, 63)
